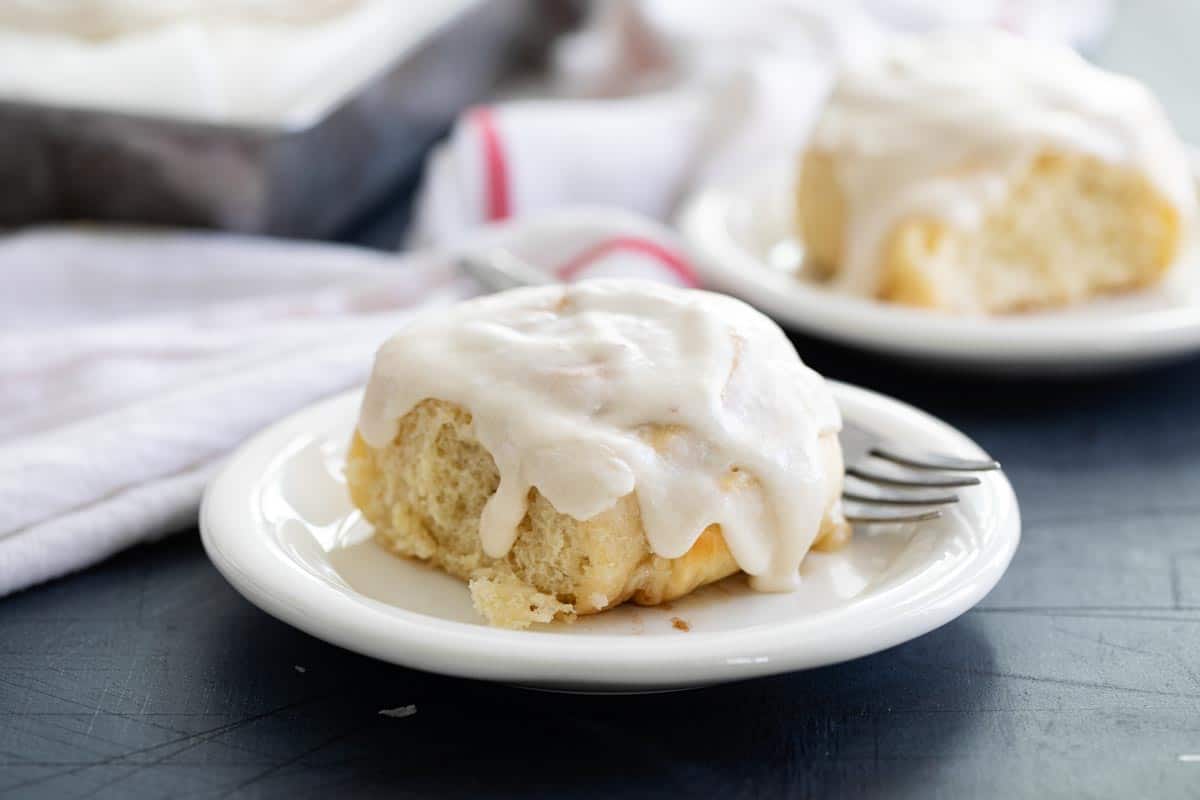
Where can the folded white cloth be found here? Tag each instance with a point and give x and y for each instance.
(655, 97)
(132, 363)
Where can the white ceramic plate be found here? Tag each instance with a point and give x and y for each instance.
(278, 524)
(743, 239)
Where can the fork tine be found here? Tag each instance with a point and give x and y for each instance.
(901, 499)
(881, 518)
(934, 461)
(931, 482)
(499, 269)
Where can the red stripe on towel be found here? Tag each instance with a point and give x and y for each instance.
(495, 166)
(669, 259)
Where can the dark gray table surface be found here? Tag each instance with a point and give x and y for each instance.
(1079, 676)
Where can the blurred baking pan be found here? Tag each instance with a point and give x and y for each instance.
(307, 173)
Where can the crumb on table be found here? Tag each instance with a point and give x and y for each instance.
(680, 624)
(400, 712)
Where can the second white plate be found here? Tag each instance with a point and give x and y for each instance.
(279, 525)
(742, 237)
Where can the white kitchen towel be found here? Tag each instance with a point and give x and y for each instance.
(655, 97)
(131, 363)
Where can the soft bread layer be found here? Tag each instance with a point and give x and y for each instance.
(424, 493)
(1071, 227)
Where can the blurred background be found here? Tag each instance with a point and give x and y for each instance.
(311, 118)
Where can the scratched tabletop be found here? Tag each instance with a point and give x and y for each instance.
(1078, 676)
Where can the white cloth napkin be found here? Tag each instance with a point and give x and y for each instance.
(655, 97)
(132, 363)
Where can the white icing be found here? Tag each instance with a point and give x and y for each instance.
(253, 62)
(107, 18)
(940, 125)
(564, 382)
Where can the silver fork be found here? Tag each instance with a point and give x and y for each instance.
(916, 493)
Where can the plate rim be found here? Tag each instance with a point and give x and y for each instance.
(353, 621)
(1023, 340)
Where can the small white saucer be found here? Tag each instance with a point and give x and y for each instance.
(278, 524)
(742, 236)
